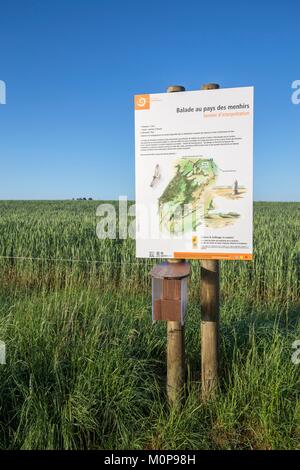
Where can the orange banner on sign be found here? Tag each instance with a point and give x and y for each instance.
(230, 256)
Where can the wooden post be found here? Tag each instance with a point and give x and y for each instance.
(175, 339)
(210, 305)
(175, 361)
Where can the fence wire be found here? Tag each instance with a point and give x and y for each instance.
(250, 264)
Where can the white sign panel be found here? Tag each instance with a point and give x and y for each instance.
(194, 174)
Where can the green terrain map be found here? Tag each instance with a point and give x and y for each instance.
(188, 200)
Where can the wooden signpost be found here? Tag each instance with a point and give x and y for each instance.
(169, 299)
(175, 339)
(210, 306)
(209, 298)
(167, 130)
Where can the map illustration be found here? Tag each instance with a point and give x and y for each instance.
(189, 199)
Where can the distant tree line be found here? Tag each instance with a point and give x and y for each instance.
(82, 199)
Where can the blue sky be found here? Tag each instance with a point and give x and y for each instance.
(72, 68)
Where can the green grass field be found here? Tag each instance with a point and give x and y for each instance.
(85, 366)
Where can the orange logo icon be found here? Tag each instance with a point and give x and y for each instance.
(142, 102)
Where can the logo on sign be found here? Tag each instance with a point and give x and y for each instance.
(142, 102)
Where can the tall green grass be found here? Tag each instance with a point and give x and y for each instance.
(60, 233)
(86, 367)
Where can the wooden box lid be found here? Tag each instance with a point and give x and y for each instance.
(171, 270)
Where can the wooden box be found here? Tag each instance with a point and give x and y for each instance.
(169, 292)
